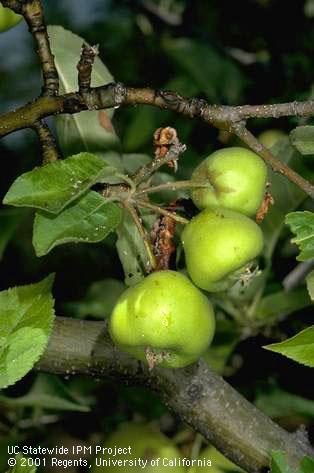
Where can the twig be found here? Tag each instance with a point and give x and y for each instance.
(246, 136)
(48, 144)
(143, 234)
(116, 94)
(159, 210)
(85, 67)
(297, 275)
(168, 150)
(195, 394)
(33, 13)
(171, 186)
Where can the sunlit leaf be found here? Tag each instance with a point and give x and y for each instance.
(88, 220)
(26, 316)
(302, 225)
(54, 186)
(299, 348)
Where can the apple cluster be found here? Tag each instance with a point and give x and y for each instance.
(166, 319)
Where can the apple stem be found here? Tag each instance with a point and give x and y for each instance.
(172, 186)
(160, 210)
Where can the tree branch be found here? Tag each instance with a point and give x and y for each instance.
(196, 394)
(247, 137)
(85, 66)
(33, 13)
(116, 94)
(48, 144)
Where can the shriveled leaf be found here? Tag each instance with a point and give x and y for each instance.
(310, 284)
(299, 348)
(280, 304)
(26, 317)
(22, 465)
(98, 301)
(47, 392)
(302, 137)
(131, 250)
(9, 220)
(276, 402)
(302, 225)
(88, 130)
(54, 186)
(89, 220)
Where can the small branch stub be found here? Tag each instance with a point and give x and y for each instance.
(85, 67)
(48, 144)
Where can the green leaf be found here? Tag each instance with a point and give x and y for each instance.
(302, 137)
(131, 250)
(99, 300)
(302, 225)
(26, 317)
(54, 186)
(276, 402)
(47, 392)
(89, 220)
(299, 348)
(216, 75)
(88, 130)
(310, 284)
(9, 220)
(307, 465)
(287, 196)
(280, 304)
(279, 463)
(226, 338)
(22, 466)
(133, 161)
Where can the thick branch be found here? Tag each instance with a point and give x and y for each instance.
(116, 94)
(33, 13)
(196, 394)
(48, 144)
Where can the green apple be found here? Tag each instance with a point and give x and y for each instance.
(217, 243)
(219, 463)
(269, 138)
(145, 443)
(8, 18)
(236, 178)
(154, 320)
